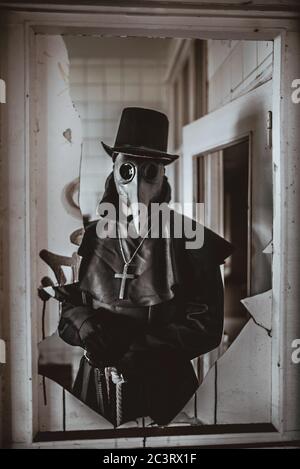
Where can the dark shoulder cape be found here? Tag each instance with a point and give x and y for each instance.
(159, 265)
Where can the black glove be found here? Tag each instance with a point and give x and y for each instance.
(71, 294)
(105, 335)
(71, 320)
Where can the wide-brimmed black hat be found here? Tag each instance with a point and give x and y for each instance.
(142, 132)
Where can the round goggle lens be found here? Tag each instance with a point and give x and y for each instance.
(150, 171)
(127, 171)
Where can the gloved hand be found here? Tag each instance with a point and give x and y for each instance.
(71, 320)
(70, 293)
(46, 282)
(105, 335)
(116, 376)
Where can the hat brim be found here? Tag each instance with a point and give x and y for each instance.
(142, 152)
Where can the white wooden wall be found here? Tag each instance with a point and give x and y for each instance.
(57, 162)
(235, 67)
(238, 390)
(106, 75)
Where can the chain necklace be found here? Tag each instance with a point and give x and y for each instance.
(125, 275)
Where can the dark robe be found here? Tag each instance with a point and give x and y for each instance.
(172, 313)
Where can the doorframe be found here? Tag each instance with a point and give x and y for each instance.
(18, 133)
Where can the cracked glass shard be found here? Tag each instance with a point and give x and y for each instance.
(269, 248)
(260, 308)
(242, 386)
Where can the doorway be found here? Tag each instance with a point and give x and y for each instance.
(228, 212)
(236, 208)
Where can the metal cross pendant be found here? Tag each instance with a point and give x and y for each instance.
(124, 276)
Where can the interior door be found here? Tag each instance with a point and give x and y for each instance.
(227, 154)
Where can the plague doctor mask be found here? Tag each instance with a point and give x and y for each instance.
(139, 182)
(139, 156)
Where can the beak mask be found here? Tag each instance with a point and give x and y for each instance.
(139, 182)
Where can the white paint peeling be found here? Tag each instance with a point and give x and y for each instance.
(68, 135)
(59, 160)
(59, 140)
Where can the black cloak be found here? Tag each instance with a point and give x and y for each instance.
(173, 312)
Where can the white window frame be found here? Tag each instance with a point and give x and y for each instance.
(18, 136)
